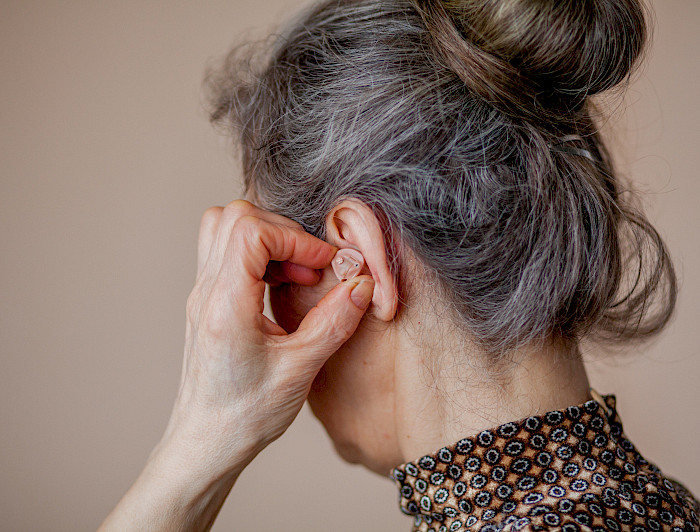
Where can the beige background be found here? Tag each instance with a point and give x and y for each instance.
(107, 164)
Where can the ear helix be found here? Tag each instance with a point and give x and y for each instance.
(347, 264)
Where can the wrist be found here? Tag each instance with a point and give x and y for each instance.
(182, 486)
(175, 491)
(171, 493)
(194, 469)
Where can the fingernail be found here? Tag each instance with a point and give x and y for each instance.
(361, 295)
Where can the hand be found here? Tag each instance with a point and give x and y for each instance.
(244, 379)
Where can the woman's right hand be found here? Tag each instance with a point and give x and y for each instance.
(244, 378)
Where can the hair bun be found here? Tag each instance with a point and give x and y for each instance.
(560, 51)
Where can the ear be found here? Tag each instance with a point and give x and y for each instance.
(352, 224)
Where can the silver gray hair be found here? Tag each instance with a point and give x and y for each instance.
(467, 127)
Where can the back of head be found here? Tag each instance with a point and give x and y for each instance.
(537, 59)
(467, 126)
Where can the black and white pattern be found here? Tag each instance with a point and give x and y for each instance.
(569, 470)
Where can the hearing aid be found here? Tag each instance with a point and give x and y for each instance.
(347, 264)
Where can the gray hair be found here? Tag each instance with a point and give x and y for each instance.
(466, 125)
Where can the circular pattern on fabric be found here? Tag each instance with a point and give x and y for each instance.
(543, 459)
(427, 463)
(441, 495)
(483, 498)
(578, 430)
(595, 509)
(520, 466)
(566, 506)
(445, 455)
(507, 430)
(485, 438)
(411, 470)
(600, 441)
(533, 424)
(558, 468)
(584, 447)
(538, 441)
(492, 456)
(573, 412)
(564, 452)
(598, 479)
(513, 448)
(596, 423)
(465, 506)
(478, 482)
(499, 473)
(437, 478)
(454, 472)
(571, 469)
(550, 476)
(526, 483)
(532, 498)
(607, 457)
(464, 446)
(590, 464)
(472, 464)
(556, 491)
(579, 485)
(615, 473)
(554, 418)
(570, 527)
(508, 507)
(504, 491)
(450, 512)
(552, 519)
(558, 435)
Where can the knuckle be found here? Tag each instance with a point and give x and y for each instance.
(211, 216)
(290, 368)
(238, 208)
(215, 325)
(247, 226)
(336, 328)
(339, 328)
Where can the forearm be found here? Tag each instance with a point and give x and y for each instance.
(244, 379)
(172, 493)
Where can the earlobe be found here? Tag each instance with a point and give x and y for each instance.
(353, 225)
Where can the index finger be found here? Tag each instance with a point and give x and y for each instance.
(213, 221)
(254, 242)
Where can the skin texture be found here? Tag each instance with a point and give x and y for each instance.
(387, 389)
(402, 387)
(244, 379)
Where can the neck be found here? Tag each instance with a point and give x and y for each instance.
(440, 400)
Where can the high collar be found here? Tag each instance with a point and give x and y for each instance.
(502, 475)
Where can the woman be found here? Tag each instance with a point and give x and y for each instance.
(454, 144)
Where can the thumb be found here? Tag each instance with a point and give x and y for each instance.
(333, 320)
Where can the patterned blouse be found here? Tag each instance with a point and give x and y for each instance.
(566, 470)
